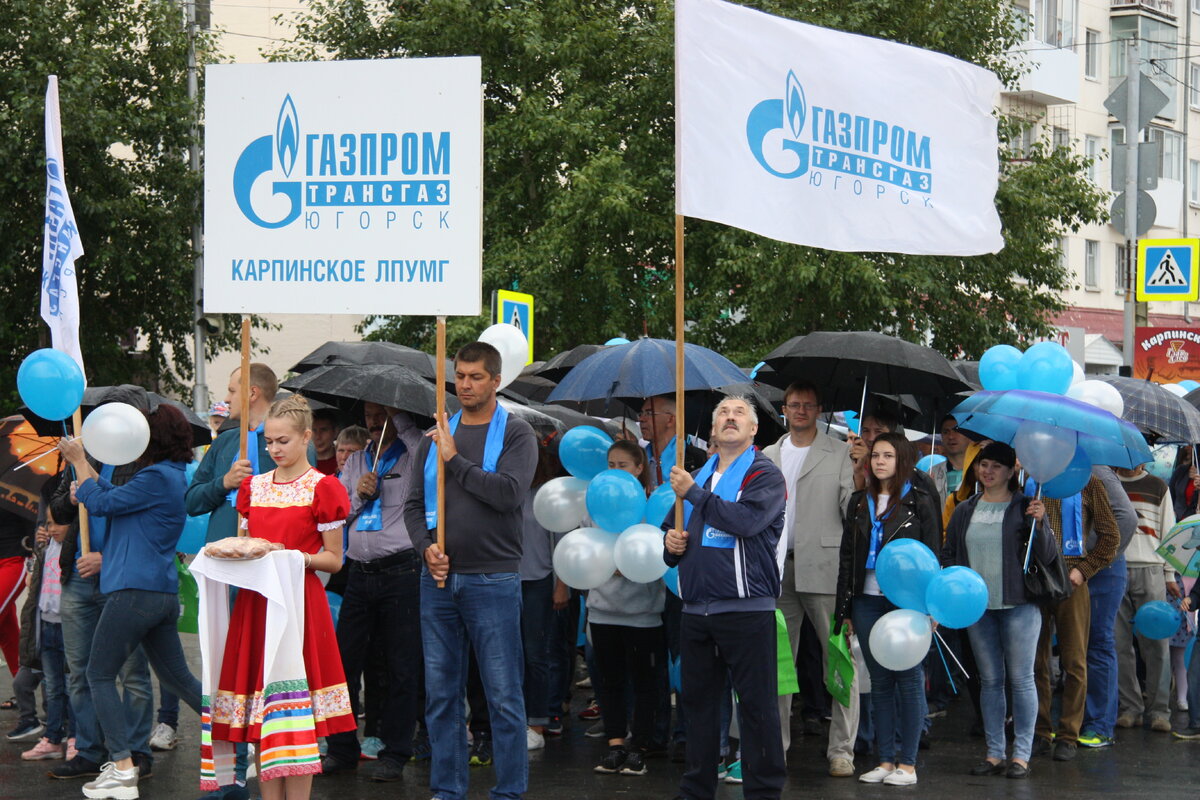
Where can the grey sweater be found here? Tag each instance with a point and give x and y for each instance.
(620, 601)
(484, 510)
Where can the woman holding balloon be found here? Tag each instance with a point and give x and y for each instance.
(987, 533)
(890, 507)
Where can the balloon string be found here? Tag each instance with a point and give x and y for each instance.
(956, 661)
(949, 675)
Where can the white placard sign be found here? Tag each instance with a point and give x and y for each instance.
(344, 187)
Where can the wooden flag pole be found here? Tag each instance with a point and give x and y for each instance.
(244, 394)
(680, 428)
(85, 544)
(441, 413)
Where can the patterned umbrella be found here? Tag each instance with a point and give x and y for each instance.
(20, 489)
(1155, 411)
(1181, 547)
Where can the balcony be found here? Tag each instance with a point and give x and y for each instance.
(1053, 78)
(1162, 8)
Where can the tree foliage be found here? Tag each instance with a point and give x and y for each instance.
(579, 181)
(126, 123)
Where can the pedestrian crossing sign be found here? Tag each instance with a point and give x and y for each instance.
(516, 309)
(1166, 269)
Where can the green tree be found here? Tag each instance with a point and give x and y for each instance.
(126, 128)
(579, 172)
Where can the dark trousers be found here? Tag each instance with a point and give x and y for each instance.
(742, 645)
(537, 605)
(626, 656)
(381, 611)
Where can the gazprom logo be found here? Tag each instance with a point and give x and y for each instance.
(339, 169)
(788, 137)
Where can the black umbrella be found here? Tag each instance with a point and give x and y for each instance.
(557, 368)
(368, 353)
(969, 371)
(136, 396)
(1156, 412)
(346, 386)
(846, 364)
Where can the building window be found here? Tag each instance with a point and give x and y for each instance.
(1091, 149)
(1063, 262)
(1193, 87)
(1170, 164)
(1194, 182)
(1091, 53)
(1091, 264)
(1122, 282)
(1061, 137)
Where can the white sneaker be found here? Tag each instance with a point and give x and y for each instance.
(901, 777)
(875, 776)
(251, 761)
(163, 737)
(534, 740)
(113, 784)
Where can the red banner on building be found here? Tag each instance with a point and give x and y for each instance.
(1167, 355)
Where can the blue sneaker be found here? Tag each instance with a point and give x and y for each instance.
(421, 750)
(735, 772)
(1093, 739)
(371, 747)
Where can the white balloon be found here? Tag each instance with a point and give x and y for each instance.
(1175, 389)
(513, 347)
(115, 433)
(560, 505)
(583, 558)
(639, 553)
(900, 639)
(1078, 376)
(1100, 394)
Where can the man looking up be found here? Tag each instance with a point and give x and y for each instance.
(489, 457)
(730, 578)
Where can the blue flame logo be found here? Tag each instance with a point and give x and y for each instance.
(796, 105)
(780, 114)
(287, 136)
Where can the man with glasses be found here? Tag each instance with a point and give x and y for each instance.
(658, 424)
(820, 479)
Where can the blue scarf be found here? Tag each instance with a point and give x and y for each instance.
(370, 518)
(665, 463)
(252, 454)
(727, 489)
(491, 457)
(877, 523)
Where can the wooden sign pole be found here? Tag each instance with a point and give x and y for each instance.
(244, 394)
(441, 413)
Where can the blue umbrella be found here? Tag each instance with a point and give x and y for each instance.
(1105, 438)
(644, 368)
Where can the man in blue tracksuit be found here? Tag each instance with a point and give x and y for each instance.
(729, 581)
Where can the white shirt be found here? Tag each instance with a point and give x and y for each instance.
(792, 458)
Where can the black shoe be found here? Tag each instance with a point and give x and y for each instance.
(386, 770)
(145, 765)
(77, 767)
(678, 752)
(1042, 746)
(1017, 771)
(986, 767)
(813, 727)
(654, 750)
(614, 759)
(26, 731)
(1064, 751)
(635, 764)
(421, 750)
(925, 743)
(332, 766)
(481, 751)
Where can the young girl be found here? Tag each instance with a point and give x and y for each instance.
(301, 508)
(629, 644)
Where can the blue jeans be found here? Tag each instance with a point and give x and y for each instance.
(897, 698)
(81, 605)
(133, 618)
(1005, 645)
(483, 613)
(168, 707)
(54, 683)
(537, 604)
(1106, 589)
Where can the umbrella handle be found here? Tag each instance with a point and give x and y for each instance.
(1032, 532)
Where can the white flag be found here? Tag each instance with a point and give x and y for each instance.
(60, 292)
(832, 140)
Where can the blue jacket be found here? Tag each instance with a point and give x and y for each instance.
(145, 520)
(714, 580)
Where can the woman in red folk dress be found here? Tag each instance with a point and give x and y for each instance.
(297, 506)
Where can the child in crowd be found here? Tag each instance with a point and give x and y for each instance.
(350, 440)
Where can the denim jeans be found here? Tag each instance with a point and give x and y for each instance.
(54, 683)
(1005, 645)
(1107, 588)
(537, 604)
(133, 618)
(81, 605)
(480, 612)
(897, 698)
(168, 707)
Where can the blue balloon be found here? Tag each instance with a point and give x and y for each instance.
(584, 451)
(660, 504)
(998, 368)
(671, 579)
(904, 569)
(616, 500)
(957, 597)
(1157, 620)
(929, 462)
(616, 340)
(50, 383)
(757, 367)
(1072, 479)
(1046, 367)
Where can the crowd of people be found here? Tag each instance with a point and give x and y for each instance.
(778, 549)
